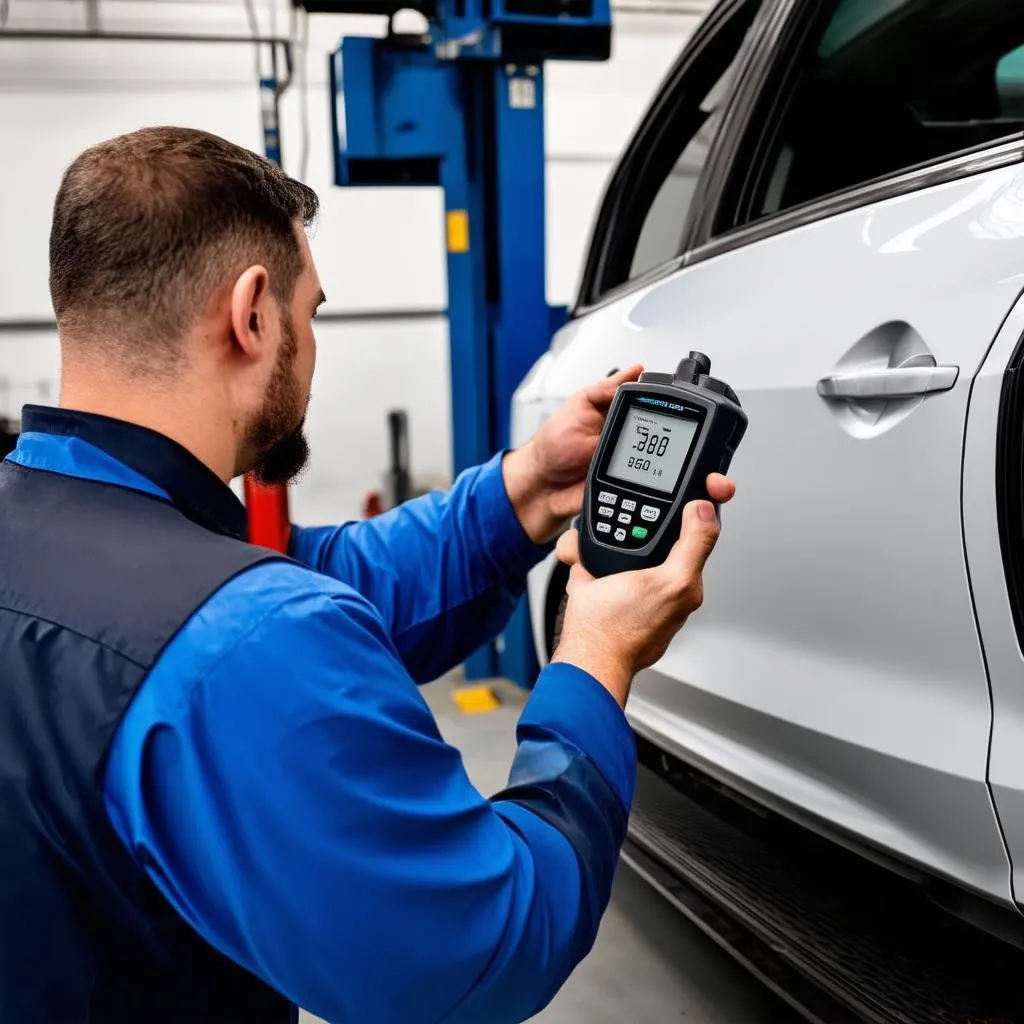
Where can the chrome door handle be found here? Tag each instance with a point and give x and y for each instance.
(897, 382)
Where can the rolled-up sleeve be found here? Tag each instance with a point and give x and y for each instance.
(283, 783)
(444, 570)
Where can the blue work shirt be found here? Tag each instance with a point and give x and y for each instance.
(281, 780)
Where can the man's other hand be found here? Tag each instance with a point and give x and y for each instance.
(619, 624)
(546, 476)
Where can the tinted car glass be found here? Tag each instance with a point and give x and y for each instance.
(1010, 83)
(889, 84)
(661, 236)
(645, 214)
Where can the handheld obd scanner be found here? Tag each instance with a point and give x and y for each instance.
(663, 435)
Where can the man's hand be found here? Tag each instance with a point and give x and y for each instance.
(617, 625)
(545, 477)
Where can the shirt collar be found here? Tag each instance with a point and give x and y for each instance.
(193, 487)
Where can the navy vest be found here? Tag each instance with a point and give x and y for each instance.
(95, 580)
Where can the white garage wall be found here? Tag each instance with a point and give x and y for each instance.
(378, 250)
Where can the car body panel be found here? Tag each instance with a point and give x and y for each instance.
(835, 669)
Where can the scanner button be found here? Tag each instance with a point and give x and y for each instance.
(620, 534)
(605, 511)
(628, 505)
(625, 517)
(608, 498)
(649, 513)
(603, 527)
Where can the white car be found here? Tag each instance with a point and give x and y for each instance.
(827, 197)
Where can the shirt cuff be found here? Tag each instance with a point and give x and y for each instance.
(508, 544)
(572, 704)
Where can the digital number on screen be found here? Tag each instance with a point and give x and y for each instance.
(651, 449)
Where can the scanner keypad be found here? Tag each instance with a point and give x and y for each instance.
(626, 521)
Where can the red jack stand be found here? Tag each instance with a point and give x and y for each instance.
(267, 506)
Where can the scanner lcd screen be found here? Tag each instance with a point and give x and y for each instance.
(651, 449)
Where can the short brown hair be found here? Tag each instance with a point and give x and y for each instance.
(148, 226)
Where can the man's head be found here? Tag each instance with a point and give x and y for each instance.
(179, 264)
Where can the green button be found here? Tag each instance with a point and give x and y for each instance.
(639, 532)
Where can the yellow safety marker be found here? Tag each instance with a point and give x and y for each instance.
(458, 231)
(476, 700)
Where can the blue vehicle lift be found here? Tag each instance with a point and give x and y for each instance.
(461, 106)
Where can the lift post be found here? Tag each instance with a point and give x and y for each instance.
(461, 106)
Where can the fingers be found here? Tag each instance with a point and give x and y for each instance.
(720, 488)
(690, 553)
(568, 547)
(601, 393)
(578, 575)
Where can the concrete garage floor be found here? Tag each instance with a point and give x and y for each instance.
(649, 964)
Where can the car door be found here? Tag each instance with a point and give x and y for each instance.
(853, 244)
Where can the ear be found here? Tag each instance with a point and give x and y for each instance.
(250, 310)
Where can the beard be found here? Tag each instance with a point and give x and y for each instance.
(277, 434)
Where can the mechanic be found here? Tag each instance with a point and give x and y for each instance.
(221, 793)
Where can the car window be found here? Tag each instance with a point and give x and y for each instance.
(1010, 83)
(661, 237)
(645, 212)
(886, 85)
